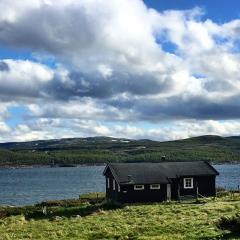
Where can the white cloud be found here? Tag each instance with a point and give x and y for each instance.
(112, 65)
(23, 78)
(59, 128)
(105, 70)
(4, 128)
(85, 109)
(4, 110)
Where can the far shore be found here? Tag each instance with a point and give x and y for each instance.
(51, 166)
(9, 166)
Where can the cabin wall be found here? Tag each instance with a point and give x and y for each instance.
(183, 191)
(175, 184)
(205, 184)
(129, 195)
(110, 193)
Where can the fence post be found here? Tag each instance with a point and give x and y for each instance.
(197, 192)
(44, 210)
(179, 192)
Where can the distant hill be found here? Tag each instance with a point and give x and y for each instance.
(104, 149)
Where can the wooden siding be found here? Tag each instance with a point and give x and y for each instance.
(205, 184)
(110, 193)
(129, 195)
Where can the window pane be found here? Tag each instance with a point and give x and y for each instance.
(113, 184)
(188, 182)
(138, 187)
(155, 186)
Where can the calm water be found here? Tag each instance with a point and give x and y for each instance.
(33, 185)
(229, 176)
(29, 186)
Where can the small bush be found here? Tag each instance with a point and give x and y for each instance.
(92, 198)
(61, 203)
(231, 224)
(220, 189)
(223, 194)
(95, 195)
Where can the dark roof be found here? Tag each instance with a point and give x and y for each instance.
(146, 173)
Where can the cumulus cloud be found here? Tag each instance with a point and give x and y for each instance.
(177, 130)
(80, 28)
(112, 64)
(23, 78)
(45, 128)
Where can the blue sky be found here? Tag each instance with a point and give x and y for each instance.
(160, 75)
(16, 115)
(219, 11)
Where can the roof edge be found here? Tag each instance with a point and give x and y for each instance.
(112, 171)
(216, 172)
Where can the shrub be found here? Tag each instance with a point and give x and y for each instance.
(231, 224)
(220, 189)
(61, 203)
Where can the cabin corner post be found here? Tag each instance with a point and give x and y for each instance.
(197, 193)
(178, 191)
(215, 188)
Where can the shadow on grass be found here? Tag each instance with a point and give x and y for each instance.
(52, 213)
(225, 236)
(14, 211)
(67, 206)
(231, 236)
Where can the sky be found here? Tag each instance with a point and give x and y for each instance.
(156, 69)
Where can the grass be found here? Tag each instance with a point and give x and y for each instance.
(160, 221)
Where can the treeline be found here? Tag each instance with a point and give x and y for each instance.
(104, 149)
(56, 157)
(26, 157)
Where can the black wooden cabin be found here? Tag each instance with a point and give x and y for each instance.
(156, 182)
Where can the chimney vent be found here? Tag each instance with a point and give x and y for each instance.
(129, 178)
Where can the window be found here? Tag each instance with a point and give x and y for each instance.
(138, 187)
(108, 183)
(114, 187)
(155, 186)
(188, 182)
(119, 188)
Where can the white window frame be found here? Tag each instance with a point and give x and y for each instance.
(186, 184)
(139, 187)
(114, 185)
(108, 183)
(155, 186)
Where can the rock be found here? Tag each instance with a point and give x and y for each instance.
(57, 218)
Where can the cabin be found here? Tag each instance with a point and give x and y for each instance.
(157, 182)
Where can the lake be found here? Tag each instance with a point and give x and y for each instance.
(23, 186)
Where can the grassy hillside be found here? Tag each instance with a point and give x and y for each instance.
(104, 149)
(162, 221)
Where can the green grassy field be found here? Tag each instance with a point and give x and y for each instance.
(82, 220)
